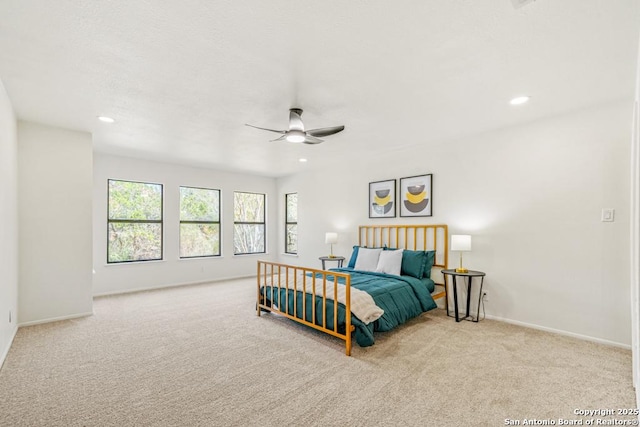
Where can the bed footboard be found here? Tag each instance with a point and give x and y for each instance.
(305, 295)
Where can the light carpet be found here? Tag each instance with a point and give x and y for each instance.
(199, 356)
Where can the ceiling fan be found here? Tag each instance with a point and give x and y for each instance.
(296, 132)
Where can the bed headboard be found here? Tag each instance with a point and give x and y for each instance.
(417, 237)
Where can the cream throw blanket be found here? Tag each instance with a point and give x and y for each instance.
(362, 304)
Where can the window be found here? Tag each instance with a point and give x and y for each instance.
(248, 223)
(199, 222)
(291, 223)
(134, 221)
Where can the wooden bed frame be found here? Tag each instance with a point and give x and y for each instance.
(289, 277)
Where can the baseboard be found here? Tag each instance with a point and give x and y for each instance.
(5, 352)
(55, 319)
(561, 332)
(171, 285)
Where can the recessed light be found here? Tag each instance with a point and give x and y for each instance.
(302, 160)
(106, 119)
(519, 100)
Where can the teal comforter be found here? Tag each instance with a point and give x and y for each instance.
(401, 297)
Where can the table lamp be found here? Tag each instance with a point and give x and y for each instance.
(330, 239)
(461, 243)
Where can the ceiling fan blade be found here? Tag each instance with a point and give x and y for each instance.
(282, 138)
(270, 130)
(295, 121)
(325, 131)
(312, 140)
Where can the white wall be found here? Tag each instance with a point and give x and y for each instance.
(9, 224)
(531, 197)
(114, 278)
(635, 238)
(54, 183)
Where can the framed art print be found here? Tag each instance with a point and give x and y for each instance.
(382, 199)
(416, 195)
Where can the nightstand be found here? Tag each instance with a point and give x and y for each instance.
(338, 259)
(469, 275)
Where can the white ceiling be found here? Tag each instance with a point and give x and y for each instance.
(182, 78)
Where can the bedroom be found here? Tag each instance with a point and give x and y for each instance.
(527, 183)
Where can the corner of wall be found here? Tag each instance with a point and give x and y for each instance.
(5, 351)
(9, 219)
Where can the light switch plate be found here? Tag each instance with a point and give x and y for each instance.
(608, 214)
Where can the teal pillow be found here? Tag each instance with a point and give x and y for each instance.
(430, 258)
(413, 263)
(354, 256)
(431, 286)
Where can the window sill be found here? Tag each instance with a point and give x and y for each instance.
(155, 261)
(252, 255)
(200, 258)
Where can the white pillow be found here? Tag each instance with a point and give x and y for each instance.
(390, 262)
(367, 259)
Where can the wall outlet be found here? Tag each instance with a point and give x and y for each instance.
(485, 297)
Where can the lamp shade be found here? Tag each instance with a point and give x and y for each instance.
(460, 242)
(331, 238)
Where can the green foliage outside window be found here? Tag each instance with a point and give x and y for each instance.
(134, 221)
(249, 223)
(199, 222)
(291, 223)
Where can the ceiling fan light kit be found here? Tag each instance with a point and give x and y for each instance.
(296, 132)
(295, 136)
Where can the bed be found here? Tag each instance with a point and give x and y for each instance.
(355, 300)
